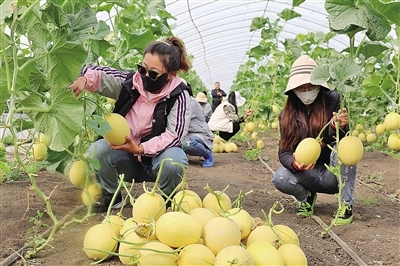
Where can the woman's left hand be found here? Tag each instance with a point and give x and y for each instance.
(129, 146)
(342, 117)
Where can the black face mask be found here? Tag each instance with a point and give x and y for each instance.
(154, 85)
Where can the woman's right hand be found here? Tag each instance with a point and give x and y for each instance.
(78, 85)
(248, 113)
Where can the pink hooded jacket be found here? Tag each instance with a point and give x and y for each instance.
(107, 82)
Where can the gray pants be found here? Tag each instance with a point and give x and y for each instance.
(319, 179)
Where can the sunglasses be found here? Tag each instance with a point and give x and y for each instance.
(153, 75)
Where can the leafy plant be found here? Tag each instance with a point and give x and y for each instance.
(252, 154)
(368, 200)
(35, 240)
(43, 46)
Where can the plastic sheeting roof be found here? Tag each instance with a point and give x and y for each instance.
(218, 33)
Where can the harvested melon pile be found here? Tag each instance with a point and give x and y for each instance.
(193, 231)
(221, 145)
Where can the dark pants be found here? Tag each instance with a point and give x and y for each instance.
(226, 135)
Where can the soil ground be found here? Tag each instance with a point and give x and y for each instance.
(372, 239)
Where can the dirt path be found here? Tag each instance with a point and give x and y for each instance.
(374, 236)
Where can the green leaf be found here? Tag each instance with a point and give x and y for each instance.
(154, 6)
(60, 119)
(22, 123)
(344, 69)
(38, 34)
(257, 52)
(297, 2)
(121, 3)
(138, 40)
(288, 14)
(390, 10)
(294, 46)
(6, 9)
(371, 86)
(99, 47)
(258, 23)
(347, 17)
(55, 15)
(342, 87)
(387, 84)
(81, 25)
(320, 74)
(319, 37)
(102, 31)
(64, 62)
(58, 161)
(99, 125)
(370, 50)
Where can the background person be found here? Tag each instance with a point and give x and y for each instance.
(202, 99)
(225, 119)
(199, 139)
(308, 108)
(142, 98)
(217, 94)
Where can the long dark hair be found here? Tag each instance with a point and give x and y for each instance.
(172, 54)
(312, 117)
(232, 100)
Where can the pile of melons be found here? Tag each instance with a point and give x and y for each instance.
(193, 231)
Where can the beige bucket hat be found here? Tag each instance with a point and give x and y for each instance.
(201, 97)
(301, 73)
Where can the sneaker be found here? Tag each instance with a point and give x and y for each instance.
(345, 215)
(307, 207)
(104, 200)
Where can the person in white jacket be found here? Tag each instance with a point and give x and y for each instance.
(225, 119)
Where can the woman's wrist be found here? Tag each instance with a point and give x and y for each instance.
(139, 150)
(82, 77)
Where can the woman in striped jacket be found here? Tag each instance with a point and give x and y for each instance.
(156, 105)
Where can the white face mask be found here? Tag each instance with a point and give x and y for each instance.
(307, 97)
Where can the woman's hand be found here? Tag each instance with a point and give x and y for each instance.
(341, 116)
(79, 85)
(129, 146)
(300, 166)
(248, 113)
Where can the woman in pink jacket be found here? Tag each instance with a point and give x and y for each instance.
(156, 104)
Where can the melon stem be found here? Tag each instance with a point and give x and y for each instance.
(182, 185)
(238, 202)
(154, 189)
(120, 184)
(217, 195)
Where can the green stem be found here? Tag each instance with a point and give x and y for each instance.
(28, 10)
(336, 171)
(359, 46)
(29, 109)
(120, 184)
(273, 210)
(5, 58)
(30, 61)
(319, 138)
(128, 192)
(217, 196)
(154, 189)
(238, 202)
(182, 185)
